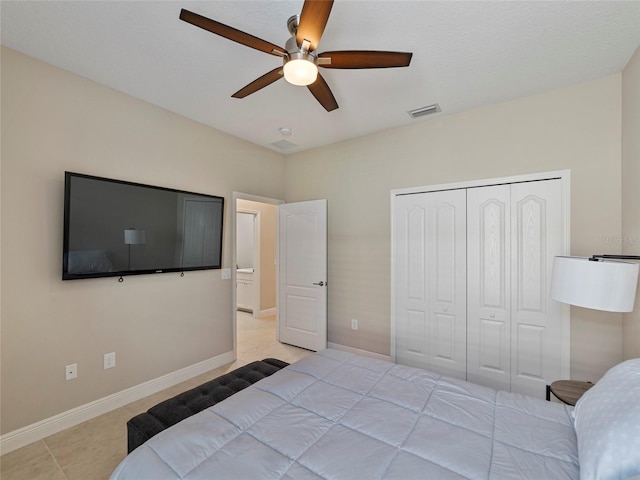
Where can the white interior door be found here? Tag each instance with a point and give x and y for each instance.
(536, 326)
(411, 220)
(446, 257)
(489, 286)
(431, 281)
(514, 329)
(302, 274)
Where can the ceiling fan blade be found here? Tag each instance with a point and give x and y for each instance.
(261, 82)
(323, 94)
(231, 33)
(364, 59)
(313, 19)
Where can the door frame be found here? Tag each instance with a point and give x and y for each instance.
(256, 257)
(235, 196)
(565, 178)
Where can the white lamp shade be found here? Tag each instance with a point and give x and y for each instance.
(134, 237)
(601, 285)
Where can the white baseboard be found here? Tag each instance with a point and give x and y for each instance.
(49, 426)
(366, 353)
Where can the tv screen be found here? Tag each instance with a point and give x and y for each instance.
(116, 228)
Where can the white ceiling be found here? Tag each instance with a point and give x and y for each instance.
(465, 54)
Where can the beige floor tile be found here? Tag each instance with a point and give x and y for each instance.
(33, 462)
(44, 468)
(247, 322)
(23, 455)
(93, 449)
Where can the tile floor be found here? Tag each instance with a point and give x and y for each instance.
(93, 449)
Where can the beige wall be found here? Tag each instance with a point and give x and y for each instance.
(54, 121)
(268, 222)
(631, 191)
(576, 128)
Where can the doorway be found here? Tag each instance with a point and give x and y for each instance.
(254, 228)
(248, 257)
(293, 293)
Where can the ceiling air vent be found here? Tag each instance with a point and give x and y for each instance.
(422, 111)
(284, 144)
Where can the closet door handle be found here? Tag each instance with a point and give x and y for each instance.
(493, 315)
(320, 283)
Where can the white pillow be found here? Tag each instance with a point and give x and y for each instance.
(607, 421)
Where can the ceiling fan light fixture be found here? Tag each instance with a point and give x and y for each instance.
(300, 69)
(300, 59)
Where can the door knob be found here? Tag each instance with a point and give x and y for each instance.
(320, 283)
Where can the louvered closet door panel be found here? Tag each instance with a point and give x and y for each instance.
(489, 286)
(536, 333)
(431, 281)
(447, 287)
(411, 222)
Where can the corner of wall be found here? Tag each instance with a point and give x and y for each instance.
(630, 194)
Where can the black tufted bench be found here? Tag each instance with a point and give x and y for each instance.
(145, 425)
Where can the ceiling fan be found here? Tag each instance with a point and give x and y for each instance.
(300, 58)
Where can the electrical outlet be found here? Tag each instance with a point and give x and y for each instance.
(354, 324)
(71, 371)
(109, 360)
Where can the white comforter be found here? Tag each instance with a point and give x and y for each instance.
(336, 415)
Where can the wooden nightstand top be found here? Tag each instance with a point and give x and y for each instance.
(569, 391)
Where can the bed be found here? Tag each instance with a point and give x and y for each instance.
(338, 415)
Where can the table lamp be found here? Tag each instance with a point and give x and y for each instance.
(601, 282)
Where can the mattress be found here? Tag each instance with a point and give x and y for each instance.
(338, 415)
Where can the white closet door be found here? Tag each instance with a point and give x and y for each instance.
(447, 278)
(472, 272)
(536, 327)
(489, 286)
(410, 214)
(431, 281)
(514, 329)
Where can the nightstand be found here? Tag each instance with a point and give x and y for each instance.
(568, 391)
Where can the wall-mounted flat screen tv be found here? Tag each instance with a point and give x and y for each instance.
(117, 228)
